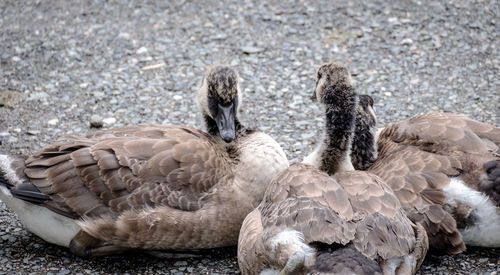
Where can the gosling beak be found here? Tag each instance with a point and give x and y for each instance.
(225, 122)
(313, 96)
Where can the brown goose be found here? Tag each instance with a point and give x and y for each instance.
(445, 170)
(313, 223)
(147, 187)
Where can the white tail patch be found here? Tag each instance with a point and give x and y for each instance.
(288, 236)
(50, 226)
(484, 232)
(294, 240)
(10, 174)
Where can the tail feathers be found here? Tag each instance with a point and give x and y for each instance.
(28, 192)
(441, 227)
(344, 260)
(12, 176)
(3, 180)
(490, 182)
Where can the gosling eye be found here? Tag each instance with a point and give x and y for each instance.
(370, 100)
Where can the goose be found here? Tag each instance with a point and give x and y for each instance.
(330, 221)
(147, 187)
(445, 170)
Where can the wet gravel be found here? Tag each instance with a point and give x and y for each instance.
(67, 65)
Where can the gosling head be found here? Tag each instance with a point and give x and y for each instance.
(366, 111)
(335, 92)
(332, 76)
(218, 99)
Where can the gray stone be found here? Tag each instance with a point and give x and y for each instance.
(180, 263)
(38, 96)
(252, 49)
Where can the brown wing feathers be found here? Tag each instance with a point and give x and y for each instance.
(429, 150)
(384, 221)
(368, 193)
(112, 171)
(318, 222)
(23, 190)
(361, 209)
(303, 181)
(421, 195)
(440, 226)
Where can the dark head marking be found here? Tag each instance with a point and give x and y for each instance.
(365, 110)
(334, 76)
(365, 101)
(218, 98)
(222, 84)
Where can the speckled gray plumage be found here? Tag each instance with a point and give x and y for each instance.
(364, 146)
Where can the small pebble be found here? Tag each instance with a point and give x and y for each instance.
(53, 122)
(109, 120)
(141, 50)
(251, 50)
(406, 41)
(180, 263)
(482, 260)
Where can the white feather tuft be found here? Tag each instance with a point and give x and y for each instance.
(10, 174)
(46, 224)
(484, 232)
(293, 238)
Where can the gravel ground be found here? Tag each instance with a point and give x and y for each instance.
(66, 65)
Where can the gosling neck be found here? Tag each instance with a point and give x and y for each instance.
(364, 144)
(340, 112)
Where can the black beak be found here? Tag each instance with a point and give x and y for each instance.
(225, 122)
(313, 96)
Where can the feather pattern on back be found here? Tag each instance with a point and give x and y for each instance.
(350, 207)
(417, 158)
(127, 183)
